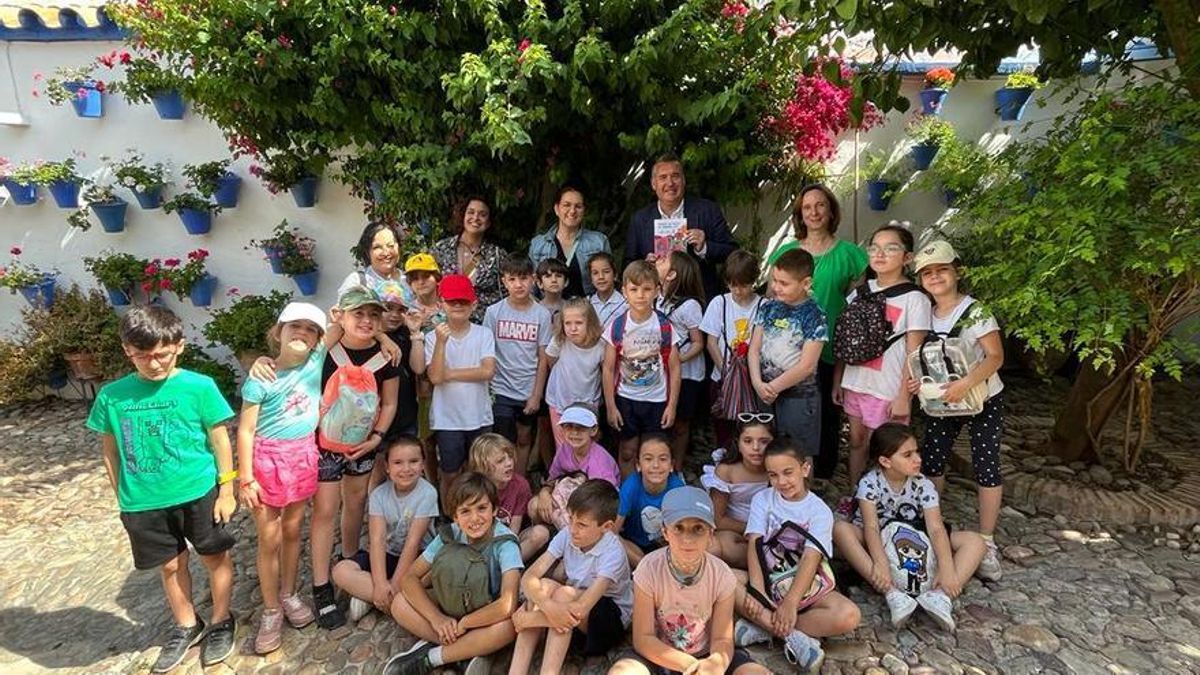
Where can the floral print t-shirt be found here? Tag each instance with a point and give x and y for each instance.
(485, 276)
(683, 614)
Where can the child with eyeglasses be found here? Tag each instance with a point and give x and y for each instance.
(736, 475)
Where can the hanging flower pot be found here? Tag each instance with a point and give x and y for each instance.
(878, 194)
(305, 192)
(82, 365)
(949, 196)
(57, 379)
(117, 297)
(376, 191)
(86, 98)
(228, 187)
(168, 104)
(201, 293)
(111, 215)
(307, 282)
(65, 193)
(923, 154)
(932, 99)
(1011, 102)
(40, 294)
(275, 257)
(196, 221)
(23, 194)
(149, 199)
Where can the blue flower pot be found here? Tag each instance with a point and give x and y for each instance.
(228, 187)
(196, 222)
(275, 257)
(202, 292)
(57, 379)
(949, 196)
(40, 294)
(307, 282)
(877, 194)
(150, 199)
(117, 297)
(932, 99)
(65, 193)
(922, 155)
(86, 99)
(111, 215)
(305, 192)
(23, 194)
(377, 191)
(1010, 103)
(168, 104)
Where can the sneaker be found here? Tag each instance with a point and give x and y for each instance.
(480, 665)
(329, 615)
(219, 642)
(358, 609)
(181, 639)
(270, 632)
(846, 508)
(901, 605)
(298, 613)
(803, 652)
(938, 605)
(746, 633)
(414, 661)
(989, 567)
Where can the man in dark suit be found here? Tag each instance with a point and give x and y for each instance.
(708, 237)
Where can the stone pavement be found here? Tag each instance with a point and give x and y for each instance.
(1076, 597)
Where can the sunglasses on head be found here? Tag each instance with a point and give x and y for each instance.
(761, 418)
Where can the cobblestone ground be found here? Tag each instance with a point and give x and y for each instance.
(1075, 597)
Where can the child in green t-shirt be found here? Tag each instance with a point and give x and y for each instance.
(170, 462)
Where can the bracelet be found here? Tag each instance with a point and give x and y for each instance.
(249, 483)
(226, 477)
(376, 432)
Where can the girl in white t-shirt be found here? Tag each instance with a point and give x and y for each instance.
(937, 267)
(682, 293)
(576, 354)
(732, 481)
(876, 391)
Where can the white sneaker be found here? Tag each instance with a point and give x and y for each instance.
(746, 633)
(803, 652)
(480, 665)
(901, 605)
(938, 605)
(989, 567)
(358, 609)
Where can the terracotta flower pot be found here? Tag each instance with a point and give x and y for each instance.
(82, 365)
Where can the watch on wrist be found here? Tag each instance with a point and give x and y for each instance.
(376, 432)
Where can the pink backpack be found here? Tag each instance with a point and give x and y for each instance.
(563, 489)
(350, 402)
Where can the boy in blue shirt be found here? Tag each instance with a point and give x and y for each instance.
(639, 518)
(171, 465)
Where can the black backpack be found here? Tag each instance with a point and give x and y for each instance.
(863, 331)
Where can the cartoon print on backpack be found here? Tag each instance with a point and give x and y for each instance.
(908, 550)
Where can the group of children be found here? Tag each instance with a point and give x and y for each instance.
(368, 409)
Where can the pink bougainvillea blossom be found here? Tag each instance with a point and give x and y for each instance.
(817, 111)
(524, 45)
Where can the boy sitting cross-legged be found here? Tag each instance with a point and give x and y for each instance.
(590, 612)
(474, 570)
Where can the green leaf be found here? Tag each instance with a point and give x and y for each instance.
(846, 9)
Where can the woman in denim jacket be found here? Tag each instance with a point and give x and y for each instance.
(568, 241)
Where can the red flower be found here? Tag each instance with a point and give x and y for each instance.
(285, 42)
(171, 262)
(126, 58)
(524, 45)
(108, 60)
(146, 286)
(100, 86)
(164, 284)
(150, 270)
(16, 250)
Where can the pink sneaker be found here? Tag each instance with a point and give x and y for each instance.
(298, 614)
(270, 632)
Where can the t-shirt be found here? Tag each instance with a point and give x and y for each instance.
(786, 329)
(880, 377)
(596, 464)
(730, 323)
(642, 511)
(359, 357)
(607, 309)
(641, 373)
(399, 510)
(576, 375)
(290, 406)
(834, 271)
(161, 430)
(769, 511)
(462, 406)
(918, 494)
(518, 335)
(513, 499)
(978, 322)
(406, 398)
(683, 614)
(685, 316)
(506, 553)
(604, 560)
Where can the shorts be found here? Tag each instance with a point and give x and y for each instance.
(691, 400)
(508, 414)
(158, 535)
(285, 469)
(741, 657)
(873, 412)
(604, 632)
(454, 445)
(363, 560)
(798, 415)
(640, 417)
(423, 406)
(331, 466)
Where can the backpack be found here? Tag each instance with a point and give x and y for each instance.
(350, 402)
(779, 557)
(734, 393)
(464, 576)
(943, 358)
(863, 332)
(910, 557)
(563, 488)
(618, 335)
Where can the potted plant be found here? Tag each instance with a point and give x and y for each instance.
(213, 179)
(62, 179)
(18, 179)
(243, 326)
(191, 279)
(35, 285)
(147, 82)
(195, 211)
(1012, 98)
(99, 198)
(118, 273)
(300, 175)
(928, 133)
(884, 178)
(288, 251)
(937, 86)
(144, 179)
(82, 330)
(78, 86)
(957, 171)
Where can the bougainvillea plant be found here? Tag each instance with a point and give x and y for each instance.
(820, 109)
